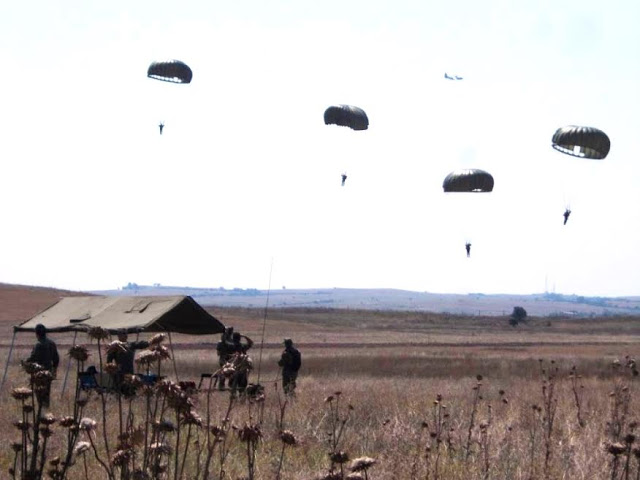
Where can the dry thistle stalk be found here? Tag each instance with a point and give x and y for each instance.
(98, 333)
(362, 464)
(288, 438)
(21, 393)
(88, 424)
(157, 339)
(79, 353)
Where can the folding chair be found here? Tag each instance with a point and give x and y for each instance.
(212, 383)
(149, 378)
(88, 380)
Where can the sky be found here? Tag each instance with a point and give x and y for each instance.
(242, 190)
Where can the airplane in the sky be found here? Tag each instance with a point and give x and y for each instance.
(454, 77)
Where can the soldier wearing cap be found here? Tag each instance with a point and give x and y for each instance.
(225, 350)
(45, 354)
(290, 362)
(242, 362)
(123, 357)
(238, 346)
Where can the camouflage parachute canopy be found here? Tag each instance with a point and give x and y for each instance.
(469, 180)
(346, 116)
(584, 142)
(173, 71)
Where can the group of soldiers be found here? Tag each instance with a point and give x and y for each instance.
(236, 364)
(233, 359)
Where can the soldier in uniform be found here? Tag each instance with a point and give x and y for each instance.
(45, 354)
(225, 349)
(124, 356)
(242, 363)
(290, 362)
(240, 347)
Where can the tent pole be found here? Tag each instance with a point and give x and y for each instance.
(6, 367)
(173, 357)
(66, 373)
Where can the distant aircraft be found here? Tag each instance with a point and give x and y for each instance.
(449, 77)
(161, 127)
(344, 178)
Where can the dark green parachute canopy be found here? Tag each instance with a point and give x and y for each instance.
(346, 116)
(470, 180)
(584, 142)
(173, 71)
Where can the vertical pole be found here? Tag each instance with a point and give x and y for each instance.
(264, 322)
(173, 358)
(66, 373)
(6, 367)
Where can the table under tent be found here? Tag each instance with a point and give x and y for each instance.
(133, 314)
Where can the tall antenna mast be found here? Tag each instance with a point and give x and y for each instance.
(264, 321)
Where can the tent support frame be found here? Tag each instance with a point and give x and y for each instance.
(6, 367)
(66, 372)
(173, 358)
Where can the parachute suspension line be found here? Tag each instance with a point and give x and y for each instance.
(264, 322)
(173, 357)
(6, 366)
(66, 372)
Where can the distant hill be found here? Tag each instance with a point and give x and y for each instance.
(543, 304)
(19, 303)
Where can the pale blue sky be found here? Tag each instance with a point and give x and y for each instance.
(246, 171)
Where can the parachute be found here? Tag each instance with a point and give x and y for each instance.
(346, 116)
(468, 180)
(584, 142)
(468, 212)
(173, 71)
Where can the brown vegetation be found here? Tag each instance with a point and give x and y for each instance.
(21, 302)
(382, 395)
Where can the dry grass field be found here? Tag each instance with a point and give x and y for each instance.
(410, 395)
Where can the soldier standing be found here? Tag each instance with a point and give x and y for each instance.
(225, 350)
(242, 363)
(238, 346)
(290, 361)
(124, 356)
(45, 354)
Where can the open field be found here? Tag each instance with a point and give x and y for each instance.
(411, 378)
(541, 304)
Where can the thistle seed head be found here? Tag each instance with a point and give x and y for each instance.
(362, 464)
(21, 393)
(79, 353)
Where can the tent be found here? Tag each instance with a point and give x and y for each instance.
(177, 313)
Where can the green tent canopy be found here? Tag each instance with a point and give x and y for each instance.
(178, 314)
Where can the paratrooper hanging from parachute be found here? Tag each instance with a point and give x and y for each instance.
(582, 142)
(171, 71)
(468, 181)
(346, 116)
